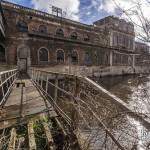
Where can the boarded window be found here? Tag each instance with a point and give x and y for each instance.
(23, 52)
(43, 54)
(42, 29)
(60, 32)
(60, 56)
(2, 54)
(74, 36)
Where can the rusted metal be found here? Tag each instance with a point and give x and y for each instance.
(31, 135)
(12, 141)
(7, 80)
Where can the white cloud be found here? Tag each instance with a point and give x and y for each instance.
(71, 7)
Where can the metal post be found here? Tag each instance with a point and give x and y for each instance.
(47, 78)
(56, 90)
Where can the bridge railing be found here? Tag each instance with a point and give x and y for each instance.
(7, 79)
(84, 104)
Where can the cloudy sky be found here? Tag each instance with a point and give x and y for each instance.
(85, 11)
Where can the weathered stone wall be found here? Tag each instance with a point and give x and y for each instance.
(43, 36)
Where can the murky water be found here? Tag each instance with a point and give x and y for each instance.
(135, 91)
(130, 133)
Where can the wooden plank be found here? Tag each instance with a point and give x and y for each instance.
(48, 133)
(12, 142)
(31, 136)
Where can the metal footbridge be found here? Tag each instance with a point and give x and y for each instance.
(49, 110)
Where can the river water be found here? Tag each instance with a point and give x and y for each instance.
(135, 92)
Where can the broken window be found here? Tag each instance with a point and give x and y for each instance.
(74, 36)
(43, 54)
(60, 56)
(2, 54)
(42, 29)
(60, 32)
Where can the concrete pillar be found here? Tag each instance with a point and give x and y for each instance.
(111, 58)
(133, 63)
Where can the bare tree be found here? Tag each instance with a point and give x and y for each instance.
(138, 16)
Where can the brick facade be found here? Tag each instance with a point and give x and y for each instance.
(47, 40)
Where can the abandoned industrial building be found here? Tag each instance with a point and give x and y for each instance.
(35, 38)
(54, 97)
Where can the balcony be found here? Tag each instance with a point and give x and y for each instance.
(61, 38)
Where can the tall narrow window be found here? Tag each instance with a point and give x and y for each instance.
(2, 54)
(74, 57)
(43, 55)
(87, 58)
(60, 32)
(74, 36)
(42, 29)
(86, 37)
(60, 56)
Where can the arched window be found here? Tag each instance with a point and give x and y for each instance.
(43, 54)
(42, 29)
(60, 32)
(86, 37)
(74, 57)
(60, 56)
(22, 26)
(74, 36)
(2, 54)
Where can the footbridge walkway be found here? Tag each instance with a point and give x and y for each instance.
(49, 110)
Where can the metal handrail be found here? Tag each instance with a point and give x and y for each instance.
(7, 79)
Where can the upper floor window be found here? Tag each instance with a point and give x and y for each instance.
(43, 55)
(22, 26)
(60, 32)
(60, 56)
(42, 29)
(86, 37)
(74, 36)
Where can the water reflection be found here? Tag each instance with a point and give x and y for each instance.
(130, 134)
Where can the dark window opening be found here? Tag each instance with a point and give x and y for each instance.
(22, 26)
(74, 57)
(88, 59)
(2, 54)
(60, 56)
(60, 32)
(86, 38)
(74, 36)
(42, 29)
(43, 54)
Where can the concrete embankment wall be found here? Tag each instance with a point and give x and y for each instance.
(98, 71)
(5, 67)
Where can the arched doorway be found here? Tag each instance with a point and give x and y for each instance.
(23, 53)
(2, 54)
